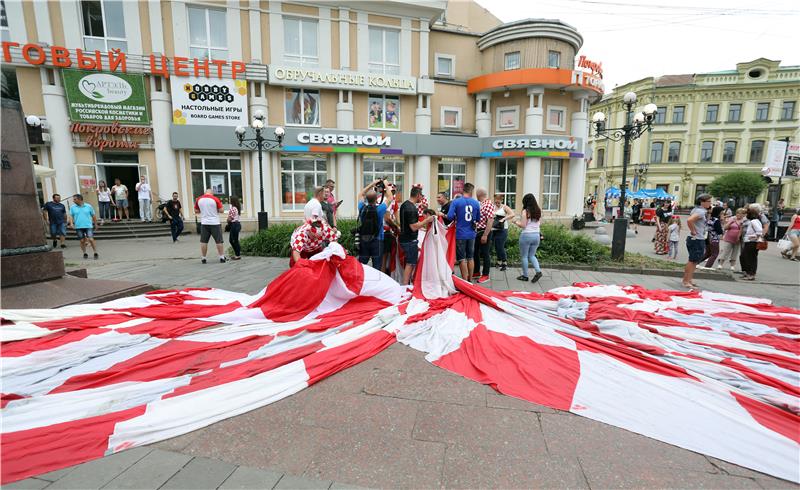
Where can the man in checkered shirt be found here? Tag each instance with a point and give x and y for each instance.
(308, 239)
(483, 239)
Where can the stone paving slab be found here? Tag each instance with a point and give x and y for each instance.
(200, 474)
(466, 469)
(245, 478)
(97, 473)
(152, 471)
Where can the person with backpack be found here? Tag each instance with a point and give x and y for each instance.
(370, 224)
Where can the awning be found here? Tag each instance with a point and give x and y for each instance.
(41, 171)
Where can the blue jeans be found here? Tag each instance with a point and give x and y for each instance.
(176, 225)
(105, 209)
(499, 237)
(370, 249)
(528, 244)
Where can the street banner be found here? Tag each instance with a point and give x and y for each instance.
(793, 161)
(105, 97)
(776, 154)
(205, 102)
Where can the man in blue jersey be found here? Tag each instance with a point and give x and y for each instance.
(465, 211)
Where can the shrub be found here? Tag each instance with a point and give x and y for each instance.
(274, 241)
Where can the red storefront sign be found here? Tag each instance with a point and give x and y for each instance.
(97, 135)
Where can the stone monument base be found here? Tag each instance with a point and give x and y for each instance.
(68, 290)
(28, 268)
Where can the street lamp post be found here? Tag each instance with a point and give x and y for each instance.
(640, 170)
(635, 126)
(260, 143)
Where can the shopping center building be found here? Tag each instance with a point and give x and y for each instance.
(418, 92)
(707, 124)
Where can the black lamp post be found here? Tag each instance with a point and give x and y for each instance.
(260, 143)
(635, 126)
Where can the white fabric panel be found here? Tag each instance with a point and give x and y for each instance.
(438, 335)
(437, 280)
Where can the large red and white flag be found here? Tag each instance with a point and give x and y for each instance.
(713, 373)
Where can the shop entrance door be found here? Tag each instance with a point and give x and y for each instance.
(122, 166)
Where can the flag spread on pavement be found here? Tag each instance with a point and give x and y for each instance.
(713, 373)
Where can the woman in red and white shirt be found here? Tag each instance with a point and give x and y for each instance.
(235, 228)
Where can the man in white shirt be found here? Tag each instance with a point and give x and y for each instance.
(143, 191)
(314, 206)
(209, 208)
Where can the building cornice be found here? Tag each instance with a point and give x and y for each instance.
(531, 28)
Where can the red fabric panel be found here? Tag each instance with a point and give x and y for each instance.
(21, 348)
(451, 246)
(661, 294)
(6, 398)
(168, 329)
(517, 366)
(84, 322)
(778, 360)
(785, 344)
(783, 324)
(358, 310)
(785, 423)
(324, 363)
(175, 298)
(165, 291)
(180, 311)
(297, 292)
(351, 271)
(43, 449)
(171, 359)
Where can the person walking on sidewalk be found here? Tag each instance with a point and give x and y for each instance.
(235, 227)
(83, 219)
(730, 243)
(753, 233)
(483, 237)
(714, 226)
(144, 195)
(174, 212)
(209, 208)
(530, 237)
(55, 215)
(120, 195)
(663, 216)
(674, 237)
(464, 211)
(104, 201)
(696, 241)
(502, 215)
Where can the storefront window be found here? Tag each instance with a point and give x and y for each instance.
(300, 42)
(302, 107)
(300, 174)
(208, 36)
(384, 51)
(379, 168)
(384, 112)
(103, 25)
(551, 185)
(452, 175)
(222, 173)
(505, 182)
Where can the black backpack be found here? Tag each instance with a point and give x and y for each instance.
(368, 223)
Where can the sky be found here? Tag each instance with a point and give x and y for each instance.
(637, 39)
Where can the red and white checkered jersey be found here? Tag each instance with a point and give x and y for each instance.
(487, 213)
(304, 241)
(422, 205)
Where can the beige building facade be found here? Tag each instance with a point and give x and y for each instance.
(418, 92)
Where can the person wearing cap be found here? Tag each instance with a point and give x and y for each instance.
(308, 239)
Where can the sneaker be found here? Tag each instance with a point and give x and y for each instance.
(733, 269)
(63, 246)
(222, 260)
(54, 243)
(85, 256)
(522, 278)
(96, 256)
(236, 258)
(503, 267)
(537, 277)
(719, 267)
(203, 260)
(475, 276)
(483, 279)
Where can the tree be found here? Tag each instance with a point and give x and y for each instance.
(737, 185)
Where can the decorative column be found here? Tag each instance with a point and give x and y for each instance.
(258, 102)
(483, 126)
(346, 181)
(577, 166)
(55, 109)
(166, 164)
(422, 163)
(532, 166)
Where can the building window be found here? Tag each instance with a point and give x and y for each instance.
(445, 65)
(707, 151)
(384, 112)
(300, 174)
(507, 118)
(222, 173)
(699, 189)
(601, 157)
(734, 112)
(8, 82)
(677, 114)
(729, 152)
(103, 25)
(554, 59)
(712, 112)
(4, 32)
(302, 107)
(300, 42)
(663, 187)
(208, 33)
(505, 181)
(762, 111)
(451, 117)
(389, 169)
(512, 61)
(384, 51)
(656, 152)
(551, 185)
(787, 111)
(661, 115)
(452, 175)
(757, 151)
(556, 118)
(674, 152)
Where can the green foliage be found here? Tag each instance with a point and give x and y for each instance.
(737, 184)
(274, 241)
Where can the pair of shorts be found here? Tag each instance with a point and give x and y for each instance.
(122, 203)
(84, 233)
(207, 231)
(696, 248)
(411, 251)
(792, 233)
(58, 229)
(465, 250)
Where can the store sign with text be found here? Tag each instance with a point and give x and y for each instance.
(110, 136)
(105, 97)
(204, 102)
(593, 66)
(536, 143)
(344, 139)
(337, 79)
